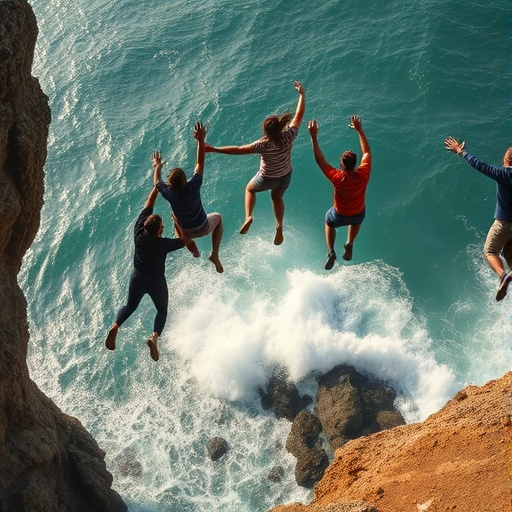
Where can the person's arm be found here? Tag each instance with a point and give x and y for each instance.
(151, 200)
(301, 106)
(355, 122)
(199, 135)
(157, 167)
(319, 156)
(231, 150)
(495, 172)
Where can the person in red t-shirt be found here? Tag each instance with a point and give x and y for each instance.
(350, 184)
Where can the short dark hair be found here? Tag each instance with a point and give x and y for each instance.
(177, 180)
(153, 224)
(349, 159)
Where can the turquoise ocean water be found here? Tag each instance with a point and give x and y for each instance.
(415, 306)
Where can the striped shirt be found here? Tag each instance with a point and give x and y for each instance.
(276, 156)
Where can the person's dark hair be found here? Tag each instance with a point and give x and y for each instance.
(153, 224)
(177, 180)
(348, 159)
(273, 125)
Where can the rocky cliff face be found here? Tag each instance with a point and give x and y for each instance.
(459, 459)
(47, 459)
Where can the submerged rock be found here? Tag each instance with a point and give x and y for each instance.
(216, 448)
(276, 474)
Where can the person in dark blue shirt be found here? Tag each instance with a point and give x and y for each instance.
(148, 273)
(184, 196)
(499, 237)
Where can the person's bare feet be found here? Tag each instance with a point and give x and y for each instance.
(246, 225)
(279, 238)
(192, 247)
(218, 265)
(110, 342)
(153, 349)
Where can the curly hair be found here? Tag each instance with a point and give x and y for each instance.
(177, 180)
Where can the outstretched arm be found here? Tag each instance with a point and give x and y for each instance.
(157, 166)
(319, 156)
(301, 106)
(199, 135)
(230, 150)
(355, 122)
(151, 200)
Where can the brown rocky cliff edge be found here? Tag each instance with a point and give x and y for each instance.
(47, 459)
(459, 459)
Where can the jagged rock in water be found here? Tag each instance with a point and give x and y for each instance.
(350, 405)
(282, 397)
(303, 442)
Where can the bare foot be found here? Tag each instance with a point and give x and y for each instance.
(192, 247)
(153, 349)
(246, 225)
(218, 265)
(110, 342)
(279, 238)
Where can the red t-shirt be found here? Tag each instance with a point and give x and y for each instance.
(350, 188)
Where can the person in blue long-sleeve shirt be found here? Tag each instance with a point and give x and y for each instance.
(499, 237)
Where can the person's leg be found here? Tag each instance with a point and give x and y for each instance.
(214, 256)
(159, 294)
(507, 253)
(135, 294)
(250, 202)
(497, 237)
(278, 206)
(330, 239)
(353, 230)
(191, 245)
(215, 227)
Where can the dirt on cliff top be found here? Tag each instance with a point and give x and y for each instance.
(459, 459)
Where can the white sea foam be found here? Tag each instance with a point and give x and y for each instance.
(353, 316)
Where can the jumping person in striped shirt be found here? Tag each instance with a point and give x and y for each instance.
(185, 199)
(275, 170)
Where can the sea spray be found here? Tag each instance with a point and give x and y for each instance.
(353, 315)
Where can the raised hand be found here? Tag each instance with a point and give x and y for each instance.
(157, 159)
(199, 131)
(313, 127)
(453, 145)
(355, 123)
(299, 87)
